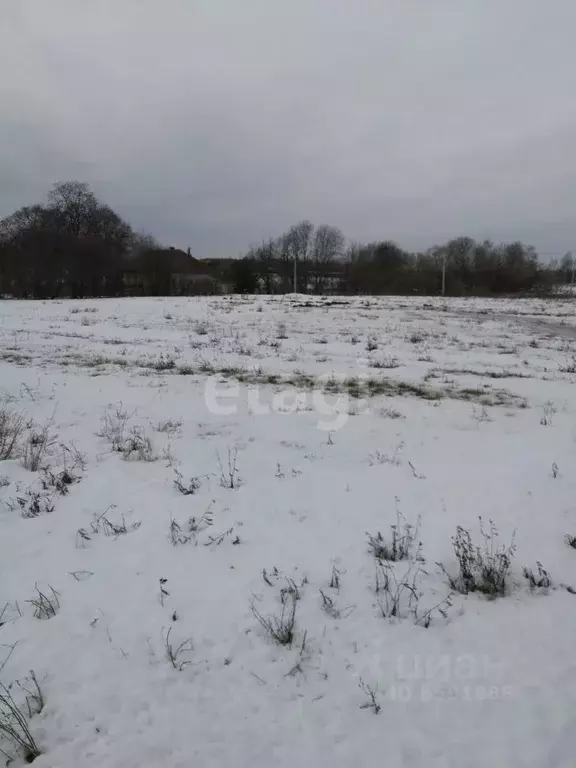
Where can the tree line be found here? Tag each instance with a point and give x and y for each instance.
(75, 245)
(73, 242)
(461, 266)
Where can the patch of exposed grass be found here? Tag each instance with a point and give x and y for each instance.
(506, 374)
(14, 357)
(357, 387)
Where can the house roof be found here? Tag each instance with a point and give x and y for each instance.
(183, 264)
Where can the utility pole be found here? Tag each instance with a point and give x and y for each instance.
(444, 274)
(572, 254)
(295, 275)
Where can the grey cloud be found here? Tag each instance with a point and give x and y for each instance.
(215, 123)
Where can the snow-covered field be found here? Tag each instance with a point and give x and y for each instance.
(330, 418)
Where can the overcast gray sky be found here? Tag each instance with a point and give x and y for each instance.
(216, 123)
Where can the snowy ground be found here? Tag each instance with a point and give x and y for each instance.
(333, 413)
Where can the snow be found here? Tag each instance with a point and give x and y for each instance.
(492, 683)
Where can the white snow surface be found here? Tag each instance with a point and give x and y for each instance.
(482, 424)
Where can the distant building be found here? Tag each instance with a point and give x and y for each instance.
(171, 271)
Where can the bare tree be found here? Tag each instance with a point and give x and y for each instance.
(141, 242)
(74, 243)
(267, 253)
(567, 267)
(26, 218)
(296, 247)
(327, 246)
(78, 213)
(76, 206)
(299, 240)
